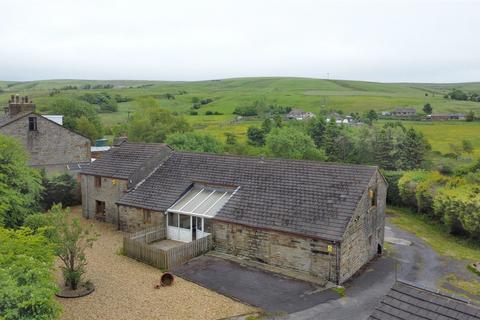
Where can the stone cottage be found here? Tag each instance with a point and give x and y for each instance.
(120, 169)
(320, 219)
(50, 145)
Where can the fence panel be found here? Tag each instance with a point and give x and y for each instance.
(136, 246)
(181, 254)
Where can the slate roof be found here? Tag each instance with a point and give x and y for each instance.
(6, 120)
(122, 162)
(408, 302)
(305, 197)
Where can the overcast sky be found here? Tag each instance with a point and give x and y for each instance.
(384, 40)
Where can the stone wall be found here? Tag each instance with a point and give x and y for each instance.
(110, 191)
(135, 219)
(365, 231)
(51, 145)
(301, 254)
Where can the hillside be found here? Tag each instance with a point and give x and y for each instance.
(308, 94)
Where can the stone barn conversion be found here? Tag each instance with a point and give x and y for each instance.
(320, 219)
(116, 172)
(49, 145)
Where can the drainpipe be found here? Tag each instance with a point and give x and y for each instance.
(337, 264)
(118, 216)
(85, 178)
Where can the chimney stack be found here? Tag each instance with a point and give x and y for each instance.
(17, 105)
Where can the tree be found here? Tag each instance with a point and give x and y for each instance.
(70, 240)
(256, 136)
(470, 116)
(458, 95)
(293, 144)
(72, 110)
(467, 146)
(192, 141)
(87, 128)
(385, 149)
(27, 285)
(62, 189)
(413, 149)
(154, 124)
(332, 132)
(371, 116)
(20, 185)
(427, 108)
(316, 129)
(104, 101)
(267, 125)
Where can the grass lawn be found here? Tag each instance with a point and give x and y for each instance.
(442, 134)
(435, 235)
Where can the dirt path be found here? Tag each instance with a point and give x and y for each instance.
(124, 289)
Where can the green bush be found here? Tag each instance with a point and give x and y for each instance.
(393, 193)
(246, 111)
(459, 208)
(27, 285)
(62, 189)
(407, 186)
(426, 189)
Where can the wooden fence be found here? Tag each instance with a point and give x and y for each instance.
(179, 255)
(136, 246)
(149, 235)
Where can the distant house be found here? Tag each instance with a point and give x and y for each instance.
(386, 113)
(446, 117)
(340, 119)
(298, 114)
(50, 145)
(324, 220)
(404, 112)
(407, 301)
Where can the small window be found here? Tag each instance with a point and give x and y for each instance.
(207, 225)
(100, 207)
(372, 193)
(32, 124)
(98, 182)
(370, 240)
(147, 216)
(184, 221)
(172, 219)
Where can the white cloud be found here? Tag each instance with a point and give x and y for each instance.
(394, 40)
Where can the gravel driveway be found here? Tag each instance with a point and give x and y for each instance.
(124, 289)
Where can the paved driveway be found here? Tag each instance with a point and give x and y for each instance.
(416, 263)
(412, 258)
(269, 291)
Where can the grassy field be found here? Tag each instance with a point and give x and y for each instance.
(435, 235)
(442, 134)
(308, 94)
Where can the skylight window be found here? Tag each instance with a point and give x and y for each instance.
(202, 201)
